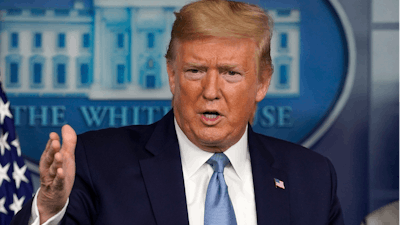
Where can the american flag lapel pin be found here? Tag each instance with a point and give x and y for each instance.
(279, 184)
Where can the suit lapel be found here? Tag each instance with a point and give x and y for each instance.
(272, 203)
(163, 175)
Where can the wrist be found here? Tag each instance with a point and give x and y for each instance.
(48, 207)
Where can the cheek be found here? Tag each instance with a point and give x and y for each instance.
(189, 90)
(242, 102)
(185, 99)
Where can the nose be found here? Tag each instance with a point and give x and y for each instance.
(211, 86)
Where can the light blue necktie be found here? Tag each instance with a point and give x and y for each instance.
(218, 207)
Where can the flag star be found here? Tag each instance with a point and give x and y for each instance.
(3, 143)
(2, 208)
(3, 173)
(17, 204)
(19, 175)
(17, 146)
(4, 110)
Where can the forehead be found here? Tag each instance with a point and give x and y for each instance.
(217, 50)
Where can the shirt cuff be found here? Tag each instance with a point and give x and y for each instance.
(54, 220)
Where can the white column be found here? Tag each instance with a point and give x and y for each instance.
(134, 47)
(97, 78)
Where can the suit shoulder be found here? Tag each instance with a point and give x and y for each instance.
(134, 132)
(287, 152)
(124, 140)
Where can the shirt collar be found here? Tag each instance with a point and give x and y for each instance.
(193, 157)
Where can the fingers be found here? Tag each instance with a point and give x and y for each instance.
(54, 154)
(59, 179)
(57, 163)
(69, 139)
(53, 146)
(53, 136)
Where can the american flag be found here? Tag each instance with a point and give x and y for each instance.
(15, 179)
(279, 184)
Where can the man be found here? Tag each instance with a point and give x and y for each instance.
(170, 172)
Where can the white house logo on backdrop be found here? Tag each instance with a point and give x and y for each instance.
(101, 64)
(115, 52)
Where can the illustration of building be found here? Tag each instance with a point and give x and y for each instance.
(113, 50)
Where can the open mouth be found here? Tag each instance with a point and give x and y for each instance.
(211, 116)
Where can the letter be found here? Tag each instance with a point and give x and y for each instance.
(41, 116)
(135, 115)
(58, 115)
(17, 114)
(96, 115)
(268, 114)
(284, 116)
(123, 116)
(150, 112)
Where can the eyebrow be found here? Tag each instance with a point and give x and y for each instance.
(222, 67)
(196, 65)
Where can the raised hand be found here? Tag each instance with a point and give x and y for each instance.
(57, 173)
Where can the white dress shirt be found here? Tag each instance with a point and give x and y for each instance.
(196, 174)
(238, 177)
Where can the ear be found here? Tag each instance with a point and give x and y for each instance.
(262, 87)
(171, 76)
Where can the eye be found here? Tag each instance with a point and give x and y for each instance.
(193, 70)
(232, 76)
(232, 73)
(194, 74)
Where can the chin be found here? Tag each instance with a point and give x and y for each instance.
(212, 141)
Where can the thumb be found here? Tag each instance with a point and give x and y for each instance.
(69, 138)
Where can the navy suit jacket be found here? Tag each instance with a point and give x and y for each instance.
(133, 175)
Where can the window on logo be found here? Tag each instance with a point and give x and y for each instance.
(284, 40)
(14, 73)
(61, 74)
(283, 79)
(120, 40)
(61, 40)
(36, 63)
(150, 81)
(38, 40)
(14, 12)
(61, 12)
(84, 73)
(37, 73)
(60, 70)
(150, 40)
(13, 64)
(120, 74)
(85, 40)
(284, 12)
(14, 40)
(38, 12)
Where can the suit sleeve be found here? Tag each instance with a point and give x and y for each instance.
(335, 214)
(23, 216)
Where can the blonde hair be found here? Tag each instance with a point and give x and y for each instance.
(221, 18)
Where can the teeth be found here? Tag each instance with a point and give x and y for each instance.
(211, 116)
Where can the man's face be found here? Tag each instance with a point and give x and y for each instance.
(215, 88)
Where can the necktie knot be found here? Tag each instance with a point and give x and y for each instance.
(218, 162)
